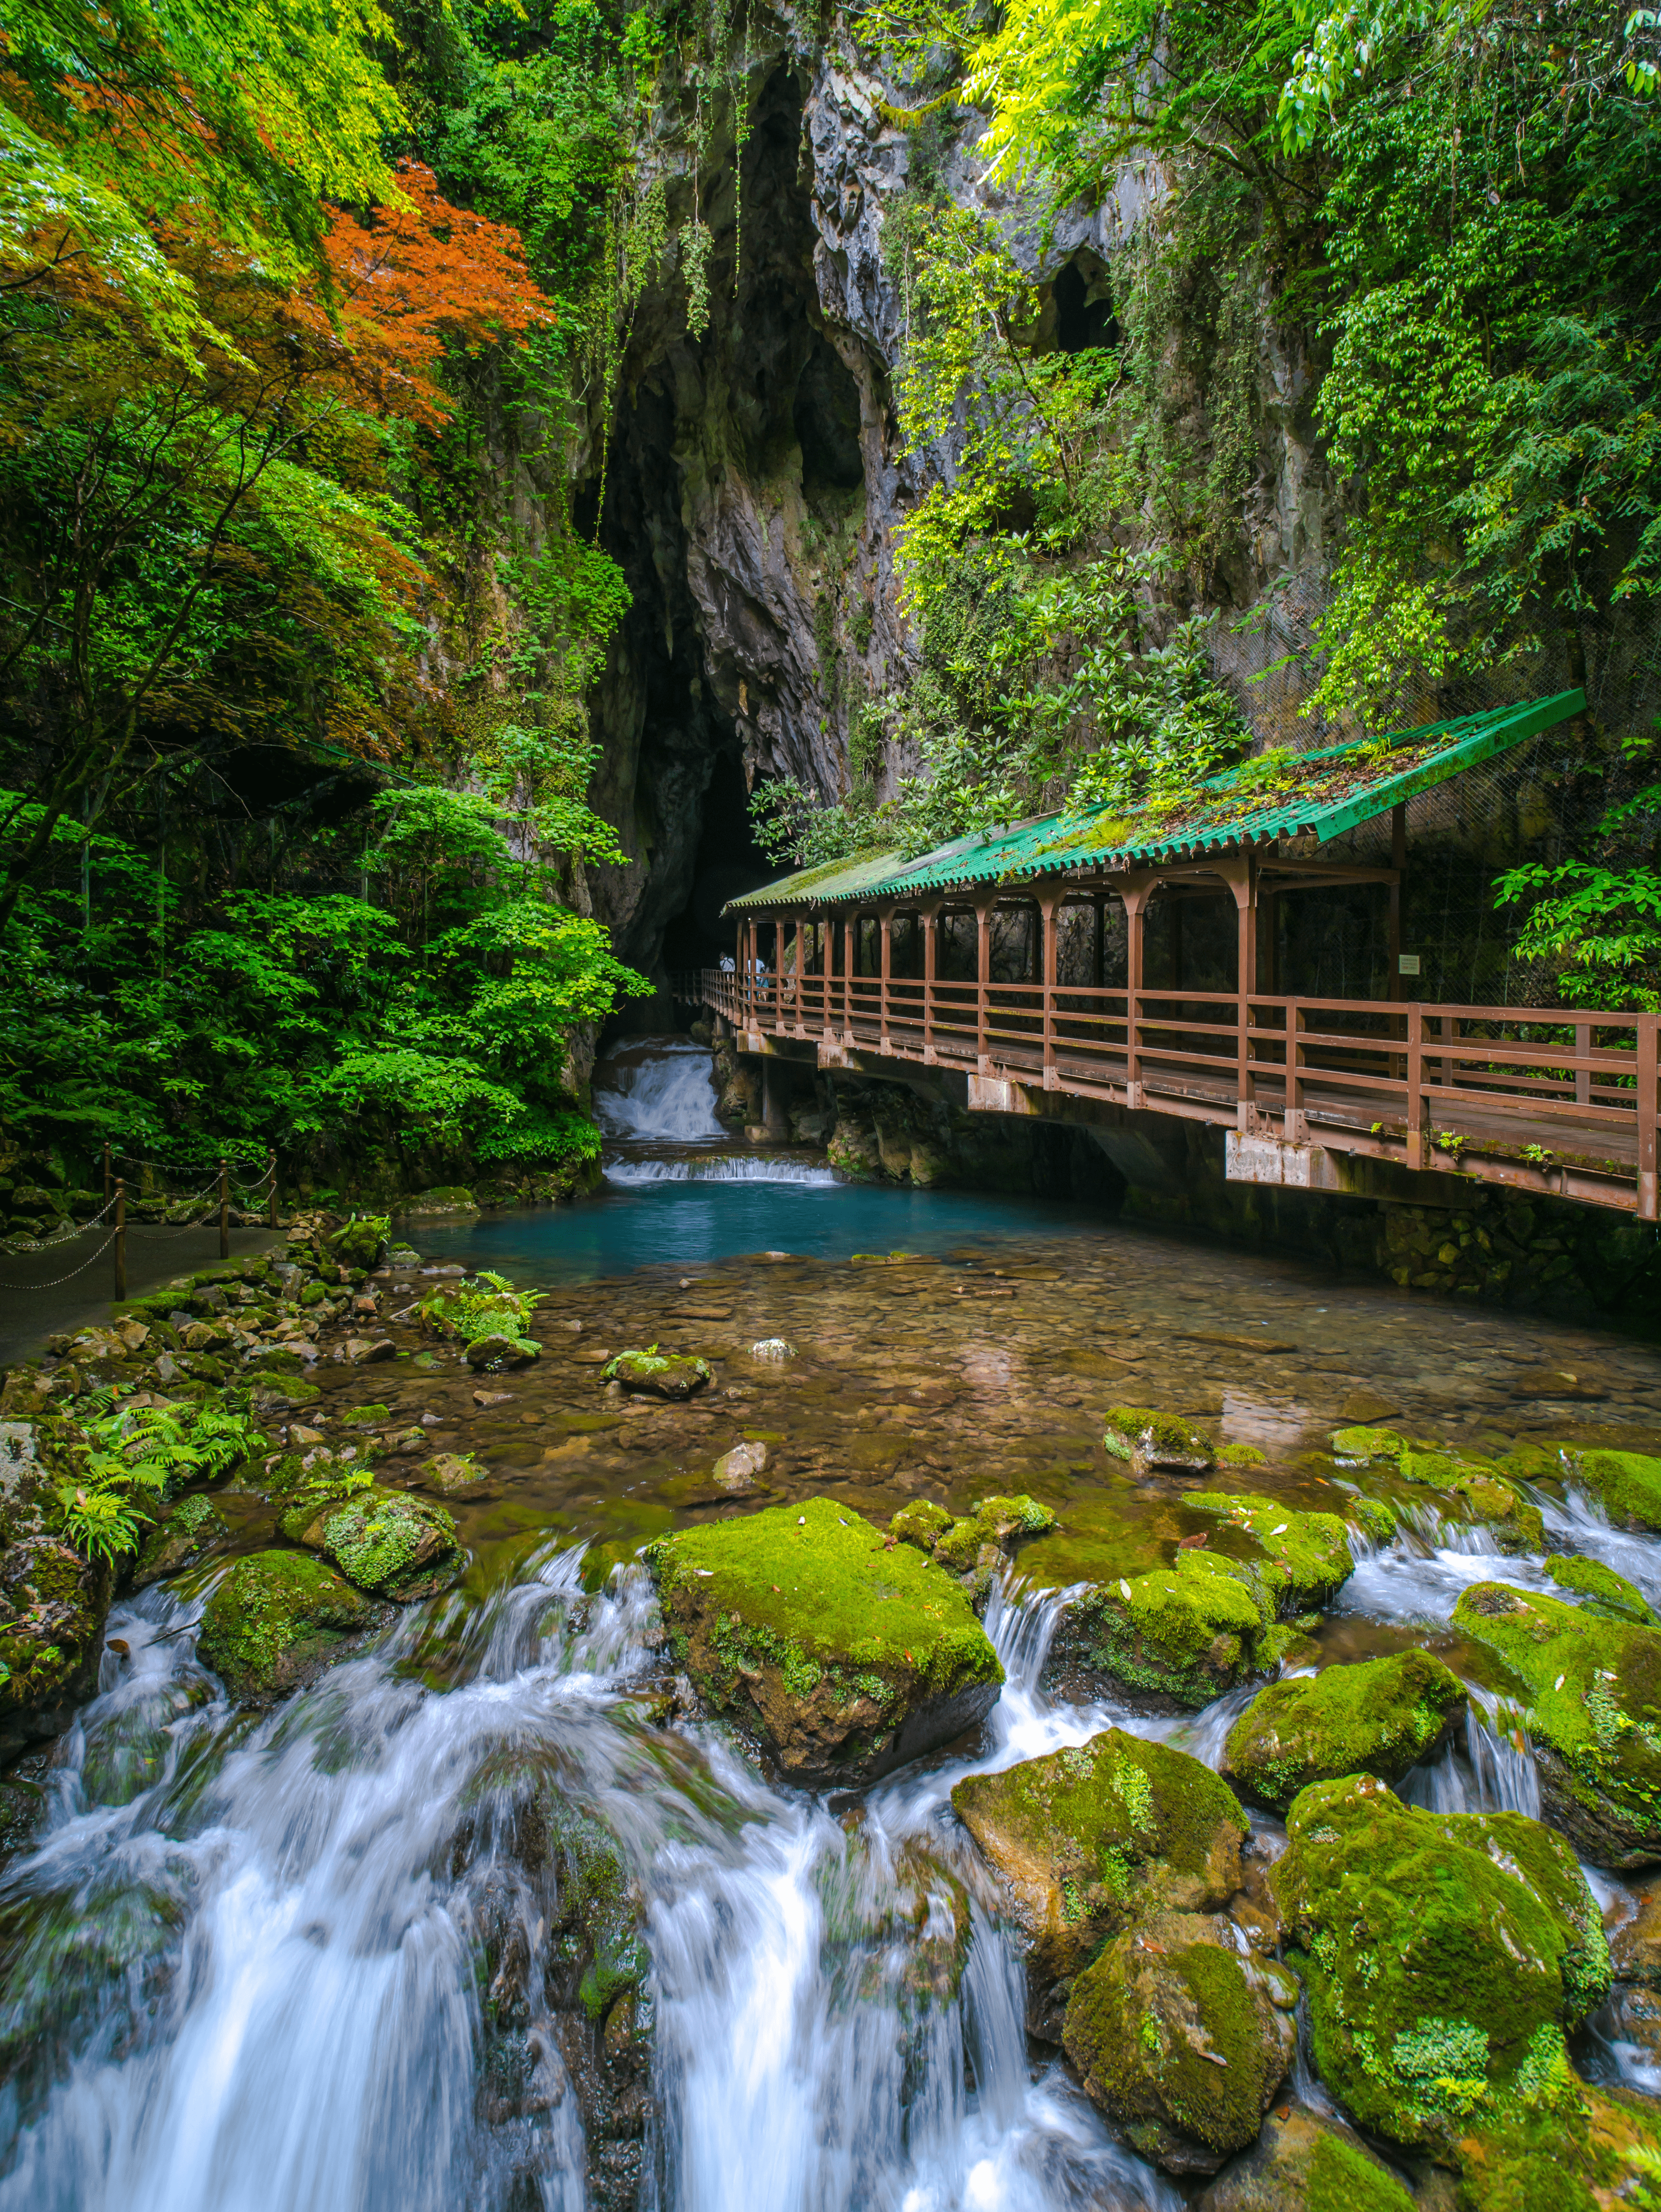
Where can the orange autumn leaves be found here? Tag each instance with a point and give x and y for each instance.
(414, 277)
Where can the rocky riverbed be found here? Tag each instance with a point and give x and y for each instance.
(1244, 1649)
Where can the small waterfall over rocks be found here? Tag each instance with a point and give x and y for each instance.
(659, 1090)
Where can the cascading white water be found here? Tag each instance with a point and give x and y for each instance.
(728, 1167)
(245, 1961)
(660, 1091)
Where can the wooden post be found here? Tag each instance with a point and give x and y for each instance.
(983, 976)
(1297, 1126)
(1048, 906)
(930, 912)
(1243, 884)
(270, 1171)
(120, 1241)
(886, 939)
(1398, 861)
(224, 1211)
(1583, 1074)
(1647, 1207)
(1136, 895)
(848, 953)
(1415, 1080)
(801, 963)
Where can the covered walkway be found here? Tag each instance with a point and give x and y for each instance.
(848, 959)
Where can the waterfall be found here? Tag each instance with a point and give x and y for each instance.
(661, 1089)
(245, 1962)
(727, 1167)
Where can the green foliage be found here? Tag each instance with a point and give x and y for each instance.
(268, 1016)
(483, 1305)
(140, 1452)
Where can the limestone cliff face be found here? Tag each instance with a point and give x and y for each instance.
(756, 478)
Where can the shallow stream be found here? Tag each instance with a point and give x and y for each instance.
(241, 1966)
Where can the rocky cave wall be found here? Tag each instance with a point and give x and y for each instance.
(755, 482)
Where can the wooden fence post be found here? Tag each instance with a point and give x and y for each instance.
(1647, 1206)
(120, 1241)
(1416, 1114)
(271, 1170)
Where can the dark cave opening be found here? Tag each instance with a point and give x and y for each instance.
(1084, 310)
(760, 396)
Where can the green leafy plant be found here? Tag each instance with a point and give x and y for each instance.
(486, 1304)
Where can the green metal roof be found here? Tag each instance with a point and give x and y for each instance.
(1326, 792)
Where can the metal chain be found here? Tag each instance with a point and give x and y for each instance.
(73, 1272)
(67, 1235)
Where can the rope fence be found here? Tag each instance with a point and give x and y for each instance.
(115, 1201)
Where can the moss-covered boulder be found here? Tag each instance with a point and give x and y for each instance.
(922, 1523)
(1181, 2039)
(1594, 1712)
(981, 1542)
(1087, 1837)
(1306, 2162)
(52, 1604)
(1601, 1590)
(384, 1540)
(1180, 1634)
(840, 1652)
(1445, 1956)
(453, 1474)
(276, 1619)
(360, 1243)
(558, 1915)
(191, 1533)
(1307, 1558)
(1377, 1716)
(1477, 1488)
(659, 1374)
(1627, 1485)
(1149, 1439)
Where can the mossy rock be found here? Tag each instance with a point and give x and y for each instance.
(365, 1417)
(1307, 1555)
(1445, 1956)
(1306, 2162)
(52, 1604)
(922, 1523)
(1594, 1714)
(1487, 1490)
(191, 1532)
(1086, 1838)
(1560, 2146)
(842, 1654)
(1149, 1438)
(659, 1374)
(276, 1619)
(1181, 2040)
(384, 1540)
(1627, 1485)
(1181, 1634)
(359, 1244)
(500, 1347)
(1601, 1590)
(454, 1473)
(1377, 1716)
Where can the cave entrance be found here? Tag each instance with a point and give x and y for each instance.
(726, 863)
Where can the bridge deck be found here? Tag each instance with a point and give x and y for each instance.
(1555, 1099)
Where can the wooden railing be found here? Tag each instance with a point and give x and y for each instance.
(1555, 1099)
